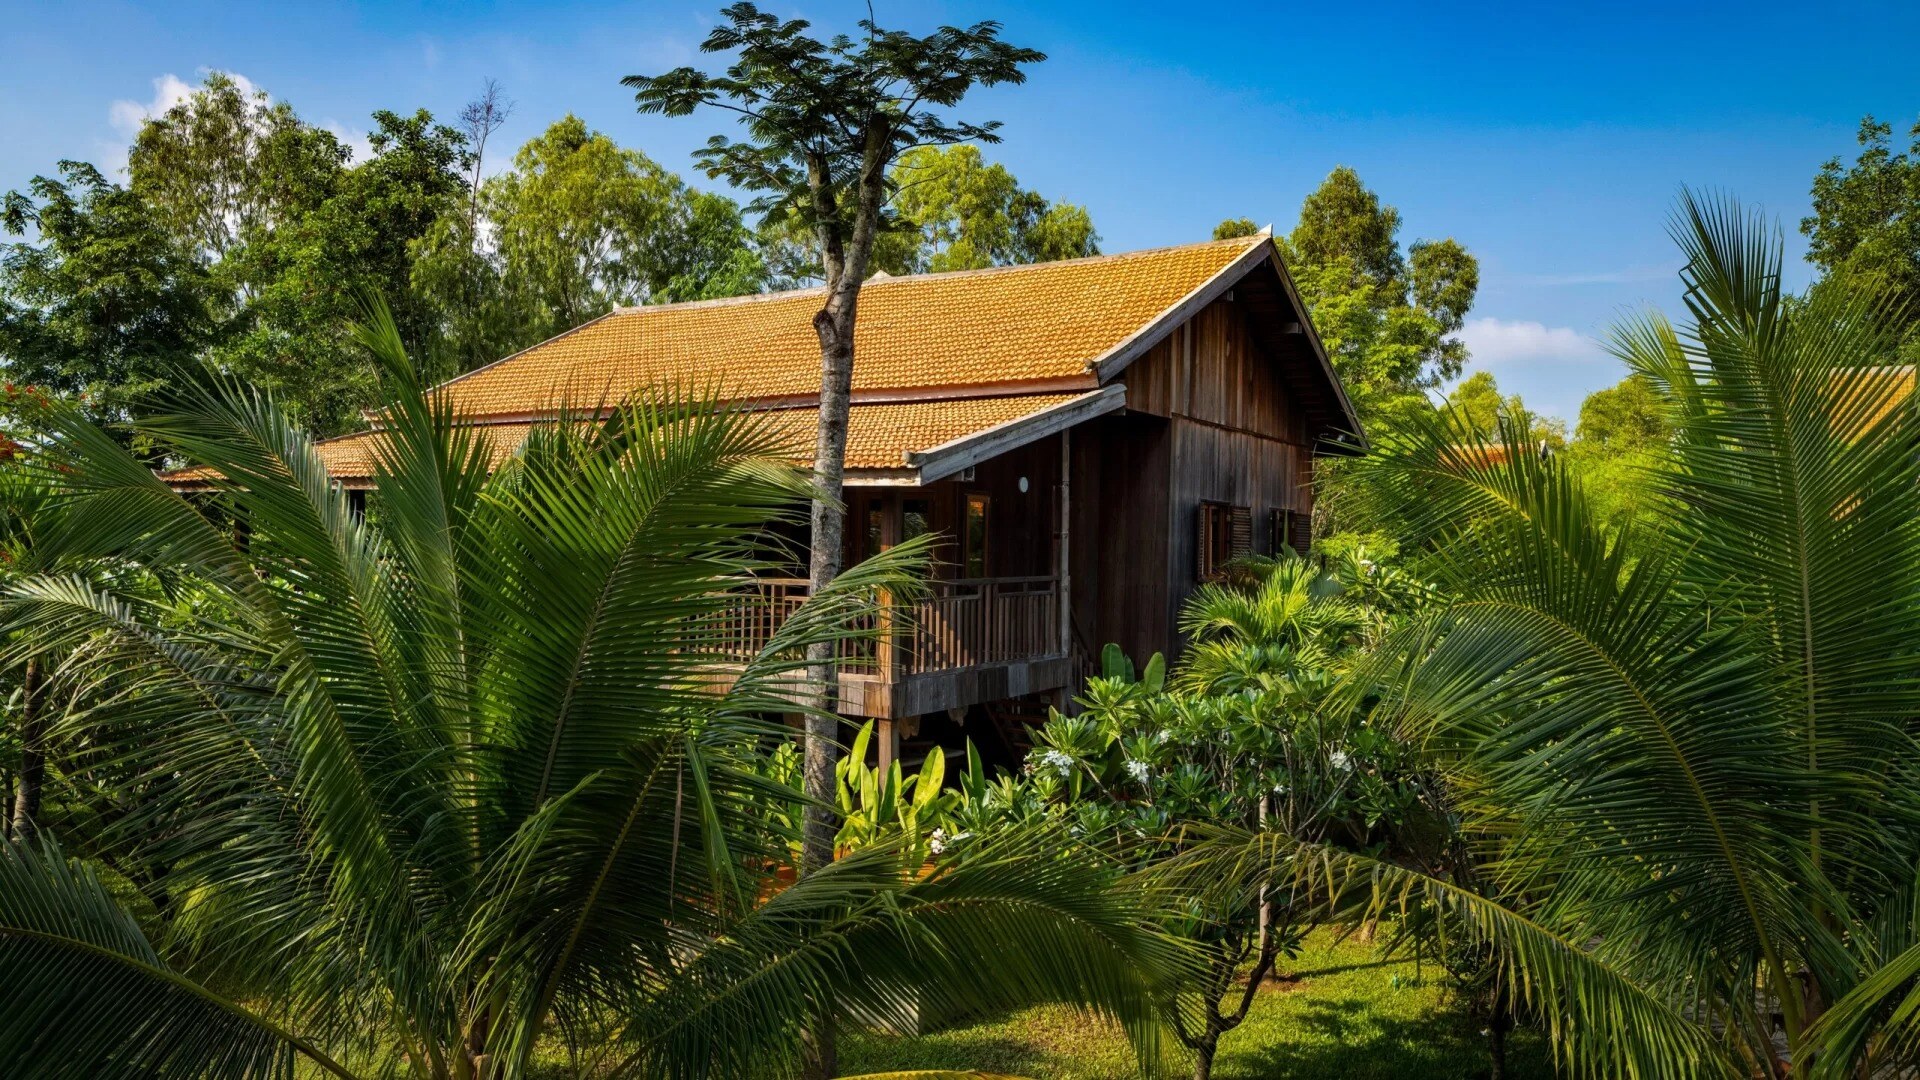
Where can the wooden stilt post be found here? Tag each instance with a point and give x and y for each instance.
(889, 744)
(1063, 586)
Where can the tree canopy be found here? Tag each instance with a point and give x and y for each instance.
(1388, 317)
(244, 235)
(953, 211)
(107, 303)
(1864, 231)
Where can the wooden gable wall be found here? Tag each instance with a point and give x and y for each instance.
(1212, 416)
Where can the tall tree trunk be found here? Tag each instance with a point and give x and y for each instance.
(844, 253)
(1498, 1024)
(33, 753)
(828, 537)
(1204, 1050)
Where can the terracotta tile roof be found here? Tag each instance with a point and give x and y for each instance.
(973, 349)
(878, 436)
(1006, 325)
(1864, 398)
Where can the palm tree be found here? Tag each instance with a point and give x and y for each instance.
(461, 778)
(1687, 754)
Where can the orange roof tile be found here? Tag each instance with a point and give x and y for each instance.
(1015, 324)
(1865, 397)
(878, 436)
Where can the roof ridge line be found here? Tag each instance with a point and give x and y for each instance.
(890, 280)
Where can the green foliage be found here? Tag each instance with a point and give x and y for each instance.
(1623, 437)
(1386, 317)
(105, 304)
(1478, 403)
(891, 807)
(455, 778)
(820, 115)
(1685, 757)
(578, 226)
(952, 211)
(1248, 731)
(245, 233)
(1342, 220)
(227, 164)
(304, 274)
(1627, 416)
(586, 225)
(1234, 228)
(1864, 232)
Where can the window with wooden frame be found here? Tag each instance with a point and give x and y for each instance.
(1290, 529)
(1226, 534)
(973, 534)
(916, 518)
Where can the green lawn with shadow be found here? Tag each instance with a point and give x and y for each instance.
(1338, 1011)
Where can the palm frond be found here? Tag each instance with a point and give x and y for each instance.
(85, 995)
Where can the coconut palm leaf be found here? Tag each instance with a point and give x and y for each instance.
(86, 995)
(1690, 746)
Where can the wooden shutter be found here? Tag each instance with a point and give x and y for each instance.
(1300, 530)
(1240, 526)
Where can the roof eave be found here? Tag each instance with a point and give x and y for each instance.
(939, 462)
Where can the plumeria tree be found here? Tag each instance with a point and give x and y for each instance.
(1248, 730)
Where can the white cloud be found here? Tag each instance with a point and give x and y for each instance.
(1497, 343)
(126, 116)
(353, 139)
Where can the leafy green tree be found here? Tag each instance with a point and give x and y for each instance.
(955, 212)
(1477, 399)
(1626, 416)
(1387, 317)
(1865, 227)
(825, 122)
(287, 229)
(1234, 228)
(227, 164)
(1694, 749)
(579, 225)
(1482, 409)
(1624, 432)
(1342, 220)
(584, 224)
(712, 254)
(104, 303)
(293, 335)
(451, 781)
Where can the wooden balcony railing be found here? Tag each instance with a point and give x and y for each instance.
(966, 622)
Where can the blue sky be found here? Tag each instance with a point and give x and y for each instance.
(1550, 141)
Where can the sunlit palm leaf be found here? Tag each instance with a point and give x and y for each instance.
(85, 995)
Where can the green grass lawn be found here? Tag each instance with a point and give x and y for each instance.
(1339, 1012)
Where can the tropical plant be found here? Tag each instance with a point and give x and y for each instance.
(1684, 761)
(472, 774)
(887, 805)
(1247, 730)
